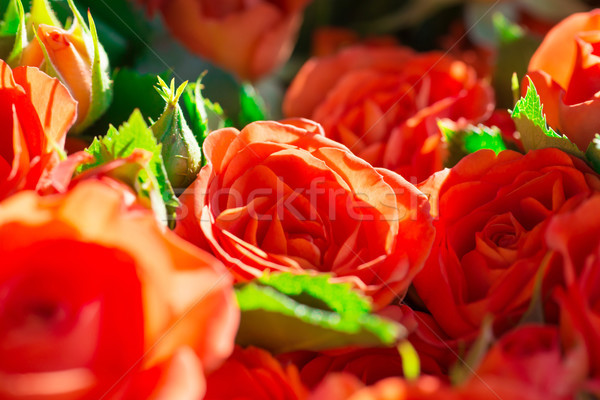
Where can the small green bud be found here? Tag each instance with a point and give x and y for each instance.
(180, 150)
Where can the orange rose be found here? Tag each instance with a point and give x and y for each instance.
(282, 197)
(248, 38)
(256, 375)
(37, 113)
(564, 70)
(383, 103)
(92, 294)
(492, 214)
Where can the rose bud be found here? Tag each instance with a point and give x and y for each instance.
(77, 58)
(180, 150)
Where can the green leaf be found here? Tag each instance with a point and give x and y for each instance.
(117, 144)
(469, 139)
(531, 124)
(284, 312)
(593, 153)
(252, 106)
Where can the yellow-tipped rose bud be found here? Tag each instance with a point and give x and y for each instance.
(73, 55)
(70, 60)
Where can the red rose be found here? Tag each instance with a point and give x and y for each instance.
(348, 387)
(383, 103)
(282, 197)
(492, 214)
(564, 70)
(93, 294)
(248, 38)
(253, 373)
(575, 237)
(37, 111)
(528, 363)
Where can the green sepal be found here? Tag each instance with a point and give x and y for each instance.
(284, 312)
(14, 29)
(120, 143)
(47, 66)
(467, 140)
(102, 90)
(531, 123)
(42, 13)
(195, 110)
(9, 26)
(180, 150)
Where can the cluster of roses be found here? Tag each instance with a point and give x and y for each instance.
(100, 301)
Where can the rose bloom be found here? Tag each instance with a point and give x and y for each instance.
(95, 296)
(248, 38)
(528, 363)
(564, 70)
(525, 364)
(253, 373)
(348, 387)
(282, 197)
(383, 103)
(37, 112)
(492, 212)
(575, 237)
